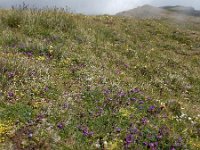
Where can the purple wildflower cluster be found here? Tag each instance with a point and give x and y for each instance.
(11, 75)
(85, 131)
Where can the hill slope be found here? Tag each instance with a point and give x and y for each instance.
(190, 11)
(148, 11)
(78, 82)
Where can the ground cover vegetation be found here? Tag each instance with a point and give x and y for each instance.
(98, 82)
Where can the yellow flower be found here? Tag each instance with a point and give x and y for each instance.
(113, 145)
(3, 130)
(50, 51)
(125, 112)
(41, 58)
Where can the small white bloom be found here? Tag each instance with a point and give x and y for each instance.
(97, 145)
(189, 118)
(105, 143)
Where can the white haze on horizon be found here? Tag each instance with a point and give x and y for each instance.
(98, 6)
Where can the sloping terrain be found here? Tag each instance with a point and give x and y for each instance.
(190, 11)
(85, 82)
(145, 12)
(170, 12)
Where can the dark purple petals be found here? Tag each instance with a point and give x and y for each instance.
(135, 90)
(129, 139)
(145, 143)
(86, 131)
(141, 102)
(144, 121)
(172, 148)
(149, 98)
(133, 99)
(134, 131)
(118, 130)
(121, 94)
(106, 92)
(65, 105)
(179, 142)
(39, 118)
(60, 125)
(153, 145)
(30, 135)
(159, 136)
(152, 109)
(29, 54)
(11, 75)
(11, 94)
(46, 89)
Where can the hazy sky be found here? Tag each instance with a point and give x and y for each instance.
(100, 6)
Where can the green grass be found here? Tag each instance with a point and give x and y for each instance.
(97, 82)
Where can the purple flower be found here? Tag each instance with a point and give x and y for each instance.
(118, 130)
(144, 121)
(133, 99)
(11, 75)
(134, 131)
(128, 139)
(179, 142)
(172, 148)
(159, 136)
(65, 105)
(135, 90)
(110, 99)
(87, 133)
(39, 117)
(46, 88)
(121, 94)
(11, 94)
(149, 98)
(141, 102)
(106, 92)
(156, 144)
(151, 108)
(29, 54)
(30, 135)
(60, 125)
(145, 143)
(151, 145)
(126, 65)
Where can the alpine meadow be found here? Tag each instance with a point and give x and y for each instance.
(107, 82)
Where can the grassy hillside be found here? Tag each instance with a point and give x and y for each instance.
(78, 82)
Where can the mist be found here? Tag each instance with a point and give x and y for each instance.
(98, 6)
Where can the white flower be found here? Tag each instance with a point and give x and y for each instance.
(189, 118)
(105, 143)
(97, 145)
